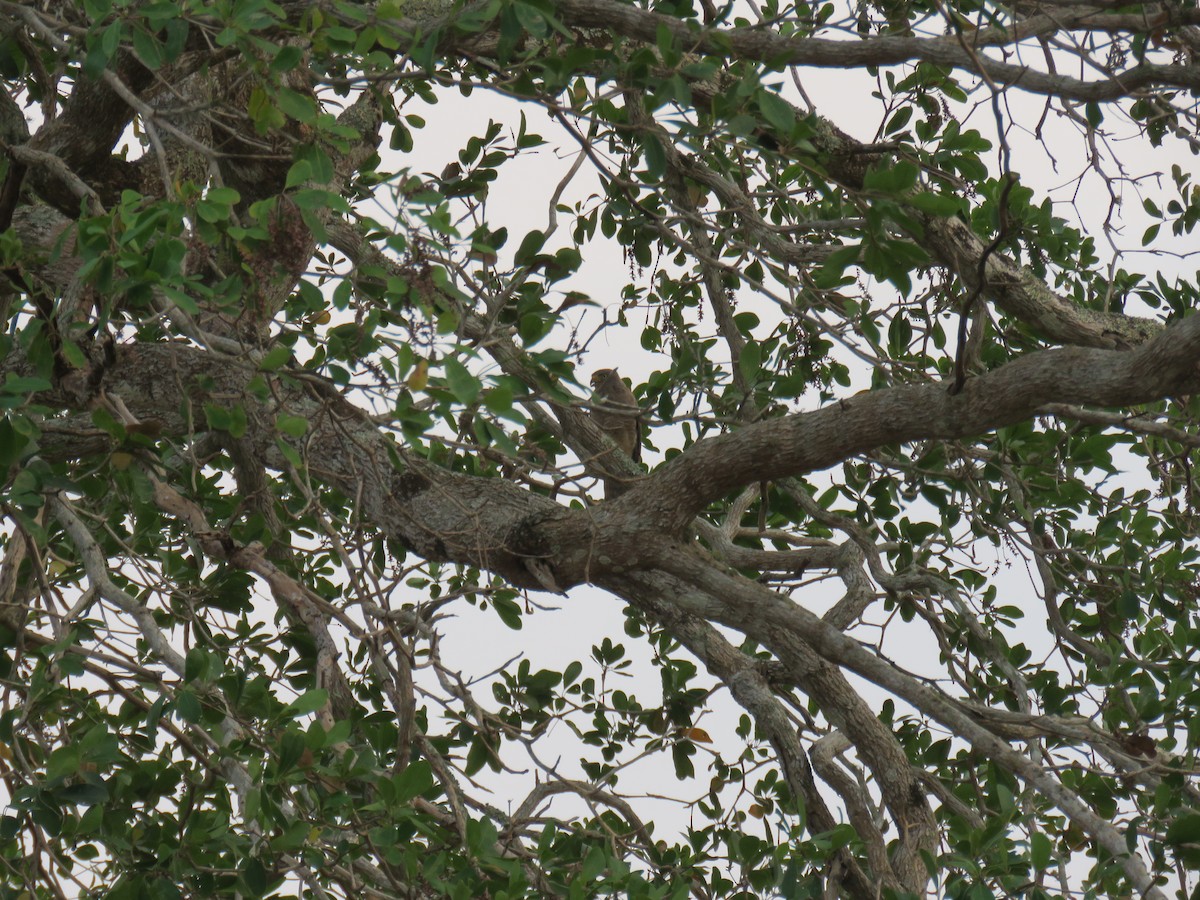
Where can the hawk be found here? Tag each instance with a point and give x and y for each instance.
(625, 429)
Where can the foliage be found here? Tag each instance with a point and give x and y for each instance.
(296, 437)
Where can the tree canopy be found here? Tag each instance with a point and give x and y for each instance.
(294, 417)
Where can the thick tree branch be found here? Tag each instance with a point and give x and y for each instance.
(766, 45)
(494, 524)
(794, 445)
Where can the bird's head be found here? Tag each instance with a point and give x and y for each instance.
(600, 376)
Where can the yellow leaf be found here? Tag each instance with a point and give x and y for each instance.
(420, 376)
(319, 318)
(697, 734)
(121, 460)
(757, 811)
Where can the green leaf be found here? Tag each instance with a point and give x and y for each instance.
(936, 204)
(180, 299)
(833, 271)
(275, 358)
(531, 245)
(297, 106)
(318, 199)
(195, 665)
(263, 112)
(307, 703)
(415, 780)
(226, 196)
(254, 878)
(479, 754)
(1184, 830)
(63, 763)
(898, 120)
(320, 166)
(462, 383)
(187, 706)
(148, 50)
(750, 362)
(593, 864)
(892, 179)
(300, 173)
(499, 400)
(778, 112)
(509, 610)
(222, 419)
(1040, 851)
(655, 157)
(289, 453)
(25, 384)
(11, 443)
(292, 426)
(86, 794)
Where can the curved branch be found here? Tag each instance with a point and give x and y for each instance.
(771, 47)
(807, 442)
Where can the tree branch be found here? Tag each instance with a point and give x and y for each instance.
(808, 442)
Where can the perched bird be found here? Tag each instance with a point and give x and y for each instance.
(624, 428)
